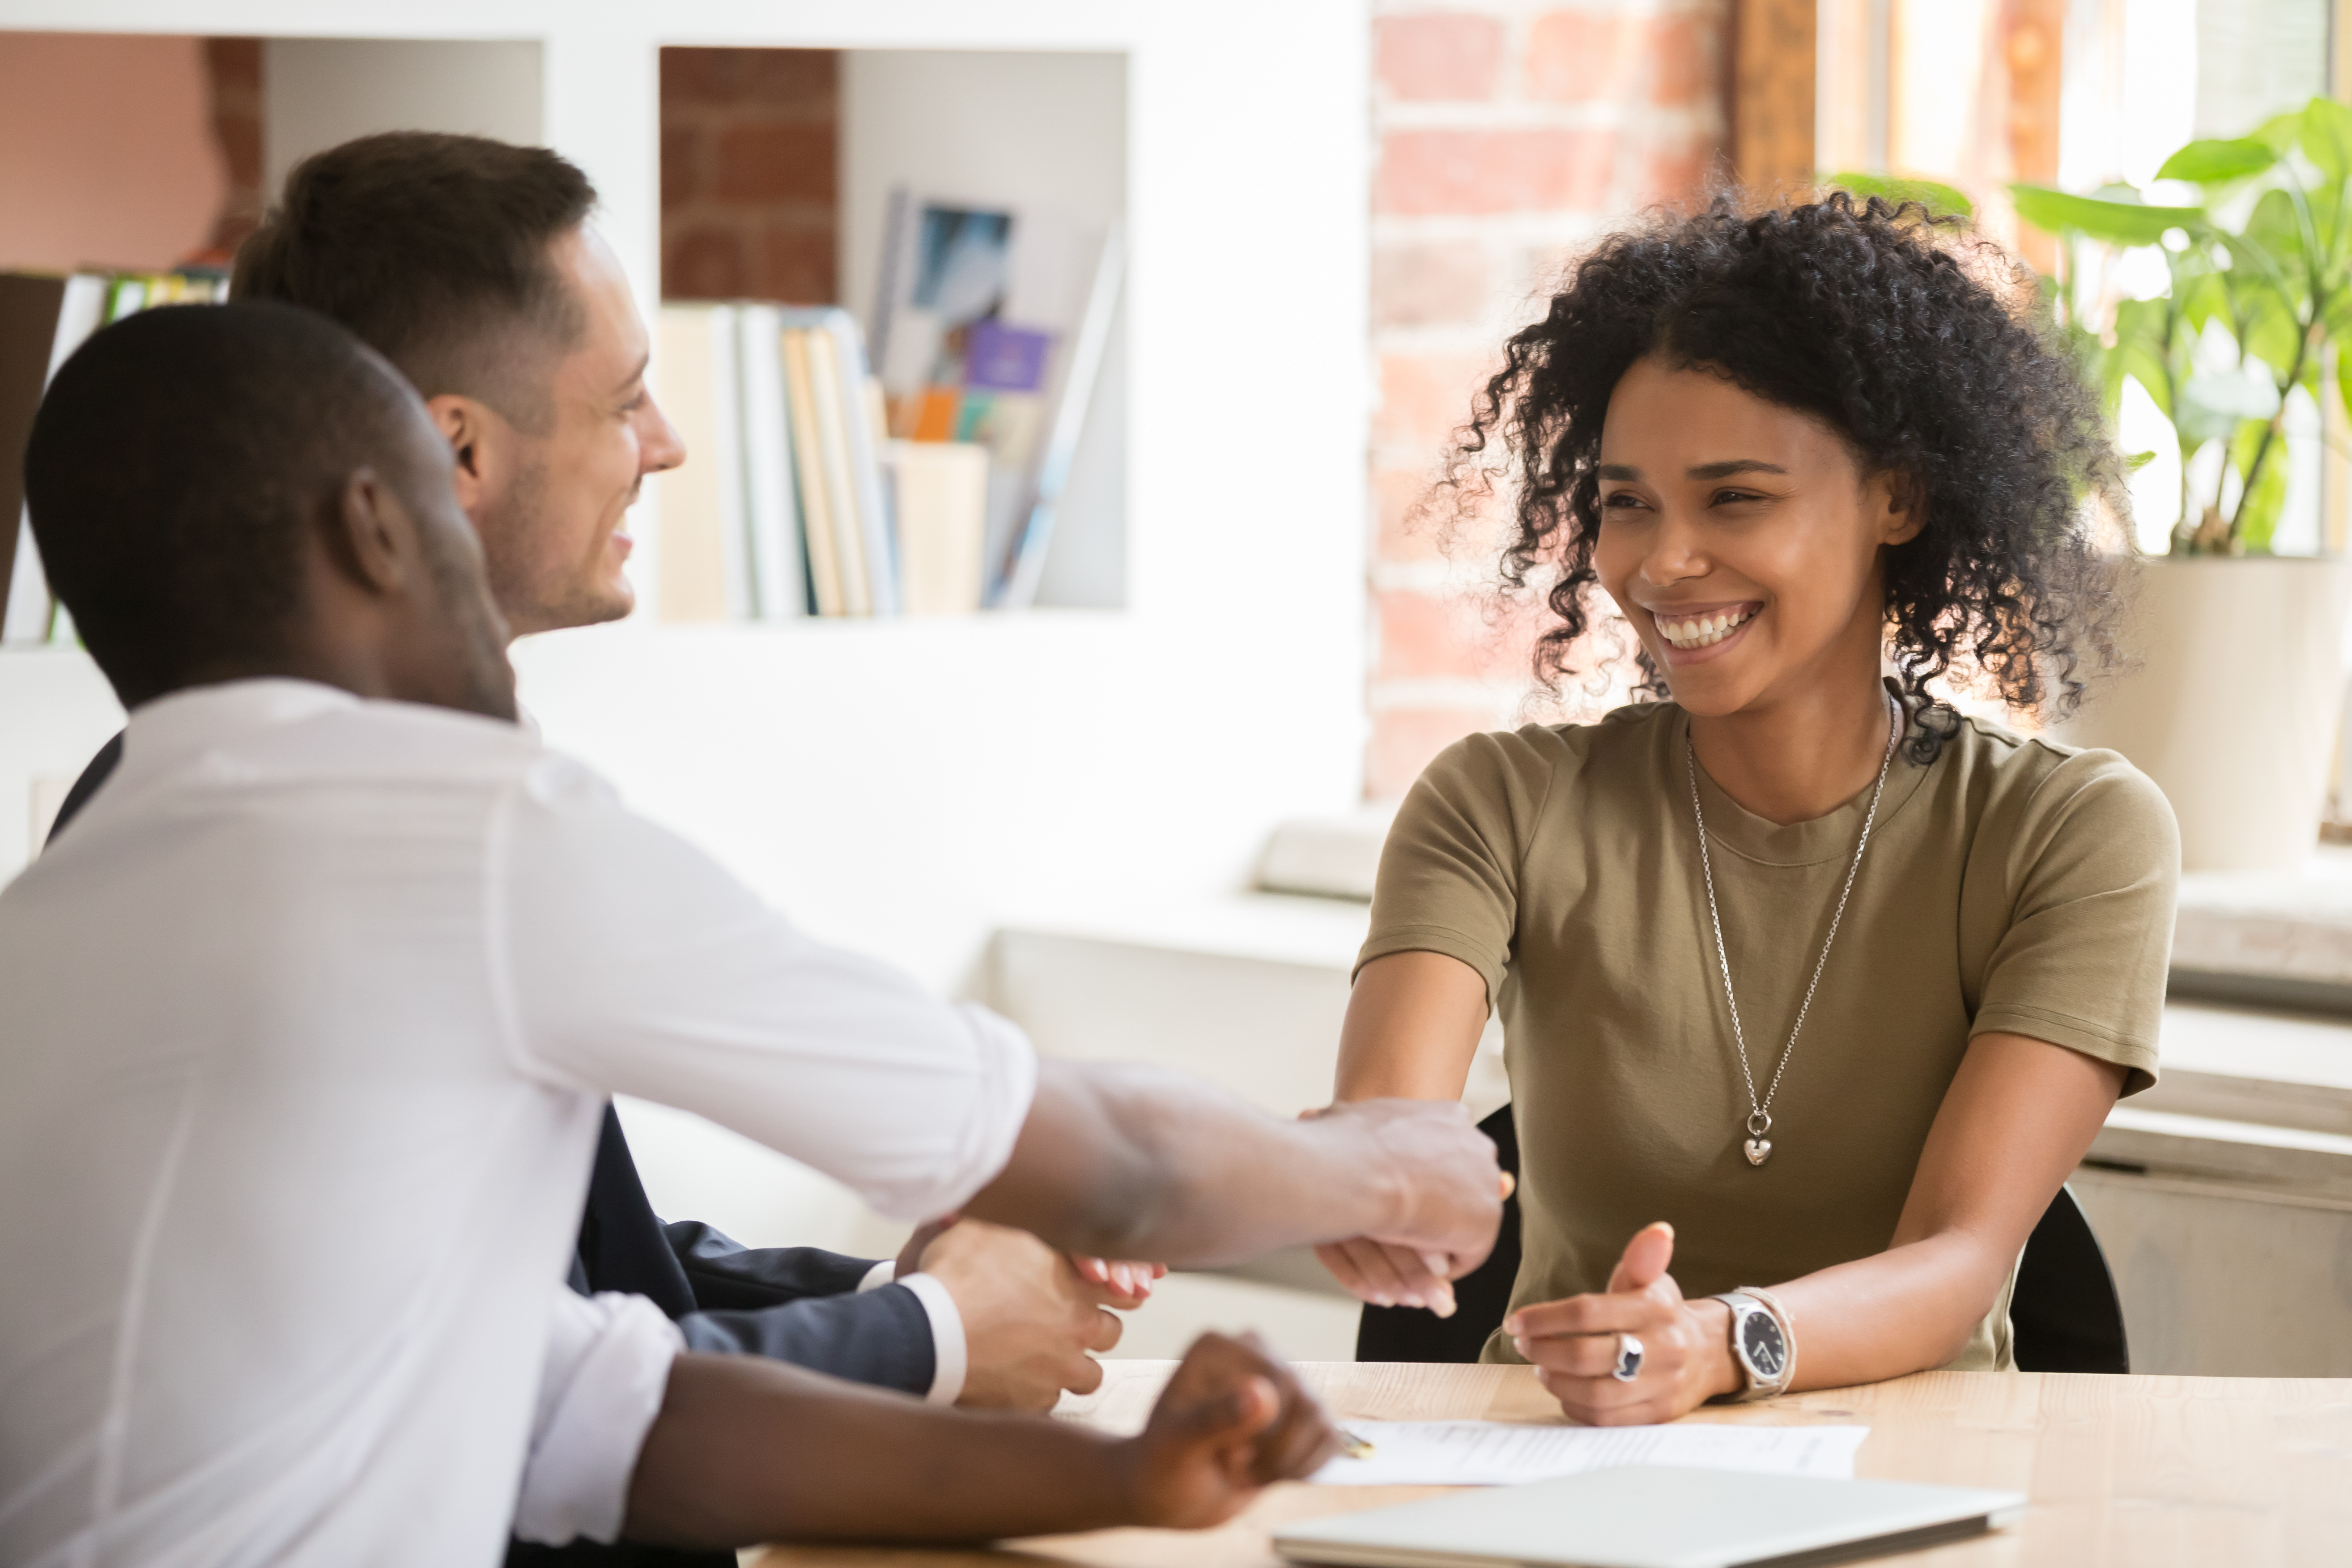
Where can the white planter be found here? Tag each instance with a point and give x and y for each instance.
(2234, 702)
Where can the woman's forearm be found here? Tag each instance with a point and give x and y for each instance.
(746, 1451)
(1906, 1310)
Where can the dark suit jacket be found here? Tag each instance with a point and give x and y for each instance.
(794, 1304)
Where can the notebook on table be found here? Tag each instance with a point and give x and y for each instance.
(1653, 1516)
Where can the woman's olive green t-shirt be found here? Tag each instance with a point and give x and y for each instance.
(2011, 884)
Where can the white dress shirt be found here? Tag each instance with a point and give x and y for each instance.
(305, 1028)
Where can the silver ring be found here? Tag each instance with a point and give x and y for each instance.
(1629, 1359)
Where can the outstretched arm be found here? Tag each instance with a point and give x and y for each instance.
(746, 1451)
(2018, 1118)
(1127, 1162)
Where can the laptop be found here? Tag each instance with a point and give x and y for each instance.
(1654, 1516)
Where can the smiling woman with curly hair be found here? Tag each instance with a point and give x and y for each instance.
(1811, 988)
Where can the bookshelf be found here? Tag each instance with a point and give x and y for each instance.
(909, 786)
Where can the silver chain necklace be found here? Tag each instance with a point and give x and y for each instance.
(1758, 1147)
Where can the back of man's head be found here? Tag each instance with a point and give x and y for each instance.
(436, 250)
(175, 465)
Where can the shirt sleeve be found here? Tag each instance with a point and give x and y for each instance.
(1449, 873)
(2093, 871)
(634, 964)
(601, 1385)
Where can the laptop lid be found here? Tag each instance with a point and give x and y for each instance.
(1653, 1516)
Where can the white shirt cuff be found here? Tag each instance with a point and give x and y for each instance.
(881, 1274)
(947, 1352)
(601, 1385)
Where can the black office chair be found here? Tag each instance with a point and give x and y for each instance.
(2065, 1312)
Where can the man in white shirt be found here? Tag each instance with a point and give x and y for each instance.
(310, 1019)
(472, 265)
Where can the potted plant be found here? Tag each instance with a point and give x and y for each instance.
(2235, 698)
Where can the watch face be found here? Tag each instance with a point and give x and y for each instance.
(1759, 1340)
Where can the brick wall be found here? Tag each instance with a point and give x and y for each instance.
(233, 76)
(1504, 134)
(749, 154)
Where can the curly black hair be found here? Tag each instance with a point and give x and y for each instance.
(1917, 341)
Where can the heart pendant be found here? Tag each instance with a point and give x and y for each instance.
(1758, 1151)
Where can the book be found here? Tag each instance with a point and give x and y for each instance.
(939, 502)
(840, 487)
(862, 435)
(782, 508)
(779, 575)
(808, 466)
(695, 583)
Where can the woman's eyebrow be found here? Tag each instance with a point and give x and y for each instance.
(1624, 473)
(1724, 470)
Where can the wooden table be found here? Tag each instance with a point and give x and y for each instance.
(2139, 1472)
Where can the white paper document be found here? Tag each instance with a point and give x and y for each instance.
(1495, 1454)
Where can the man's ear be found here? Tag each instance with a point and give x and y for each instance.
(469, 428)
(370, 536)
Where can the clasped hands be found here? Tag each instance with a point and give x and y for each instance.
(1030, 1314)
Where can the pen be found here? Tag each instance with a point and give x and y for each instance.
(1354, 1448)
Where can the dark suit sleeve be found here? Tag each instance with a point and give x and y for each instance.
(802, 1305)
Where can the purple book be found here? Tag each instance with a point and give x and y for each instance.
(1005, 359)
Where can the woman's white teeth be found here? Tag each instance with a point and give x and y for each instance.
(1699, 631)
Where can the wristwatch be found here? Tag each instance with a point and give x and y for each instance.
(1762, 1345)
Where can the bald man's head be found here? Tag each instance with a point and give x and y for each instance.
(188, 465)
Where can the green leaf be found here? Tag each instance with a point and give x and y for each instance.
(2116, 223)
(2135, 461)
(2219, 162)
(2280, 131)
(2327, 138)
(2258, 515)
(1939, 199)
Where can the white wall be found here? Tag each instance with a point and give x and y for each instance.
(320, 92)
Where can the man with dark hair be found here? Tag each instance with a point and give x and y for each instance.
(312, 1017)
(471, 265)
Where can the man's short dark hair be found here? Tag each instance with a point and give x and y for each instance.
(173, 465)
(436, 250)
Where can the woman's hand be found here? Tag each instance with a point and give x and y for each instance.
(1232, 1420)
(1124, 1286)
(1685, 1345)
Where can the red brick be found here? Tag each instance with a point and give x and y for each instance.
(1681, 54)
(233, 66)
(1450, 635)
(1406, 740)
(768, 161)
(1440, 56)
(705, 264)
(1578, 56)
(1429, 285)
(681, 166)
(1675, 173)
(1424, 398)
(1404, 529)
(1473, 172)
(749, 76)
(796, 264)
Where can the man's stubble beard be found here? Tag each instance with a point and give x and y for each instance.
(534, 596)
